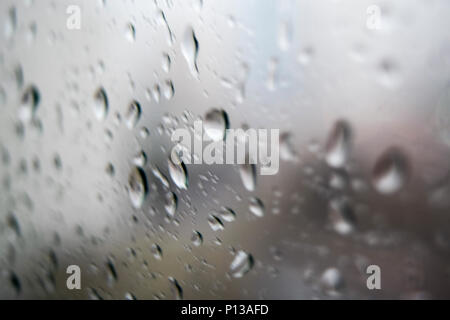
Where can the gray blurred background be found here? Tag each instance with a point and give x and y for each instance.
(360, 91)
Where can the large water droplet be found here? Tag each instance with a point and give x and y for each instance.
(338, 145)
(241, 264)
(137, 187)
(216, 124)
(390, 172)
(189, 49)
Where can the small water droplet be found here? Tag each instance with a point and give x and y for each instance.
(390, 172)
(331, 281)
(171, 203)
(342, 216)
(227, 214)
(137, 187)
(215, 223)
(156, 251)
(29, 104)
(196, 238)
(216, 123)
(241, 264)
(257, 207)
(133, 114)
(189, 49)
(178, 173)
(101, 104)
(176, 289)
(248, 176)
(338, 145)
(130, 32)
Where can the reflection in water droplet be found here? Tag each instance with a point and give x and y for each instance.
(338, 145)
(133, 114)
(100, 104)
(29, 104)
(216, 124)
(390, 172)
(248, 176)
(189, 49)
(137, 187)
(241, 264)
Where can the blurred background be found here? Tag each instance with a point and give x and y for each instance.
(91, 91)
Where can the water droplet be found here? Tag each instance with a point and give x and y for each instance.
(341, 216)
(331, 281)
(133, 114)
(248, 176)
(215, 223)
(101, 104)
(29, 104)
(140, 159)
(227, 214)
(257, 207)
(285, 35)
(137, 187)
(166, 62)
(189, 49)
(178, 173)
(171, 203)
(130, 32)
(287, 151)
(216, 123)
(156, 251)
(176, 289)
(241, 264)
(390, 172)
(196, 238)
(168, 89)
(338, 145)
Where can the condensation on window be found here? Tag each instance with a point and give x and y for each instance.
(91, 93)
